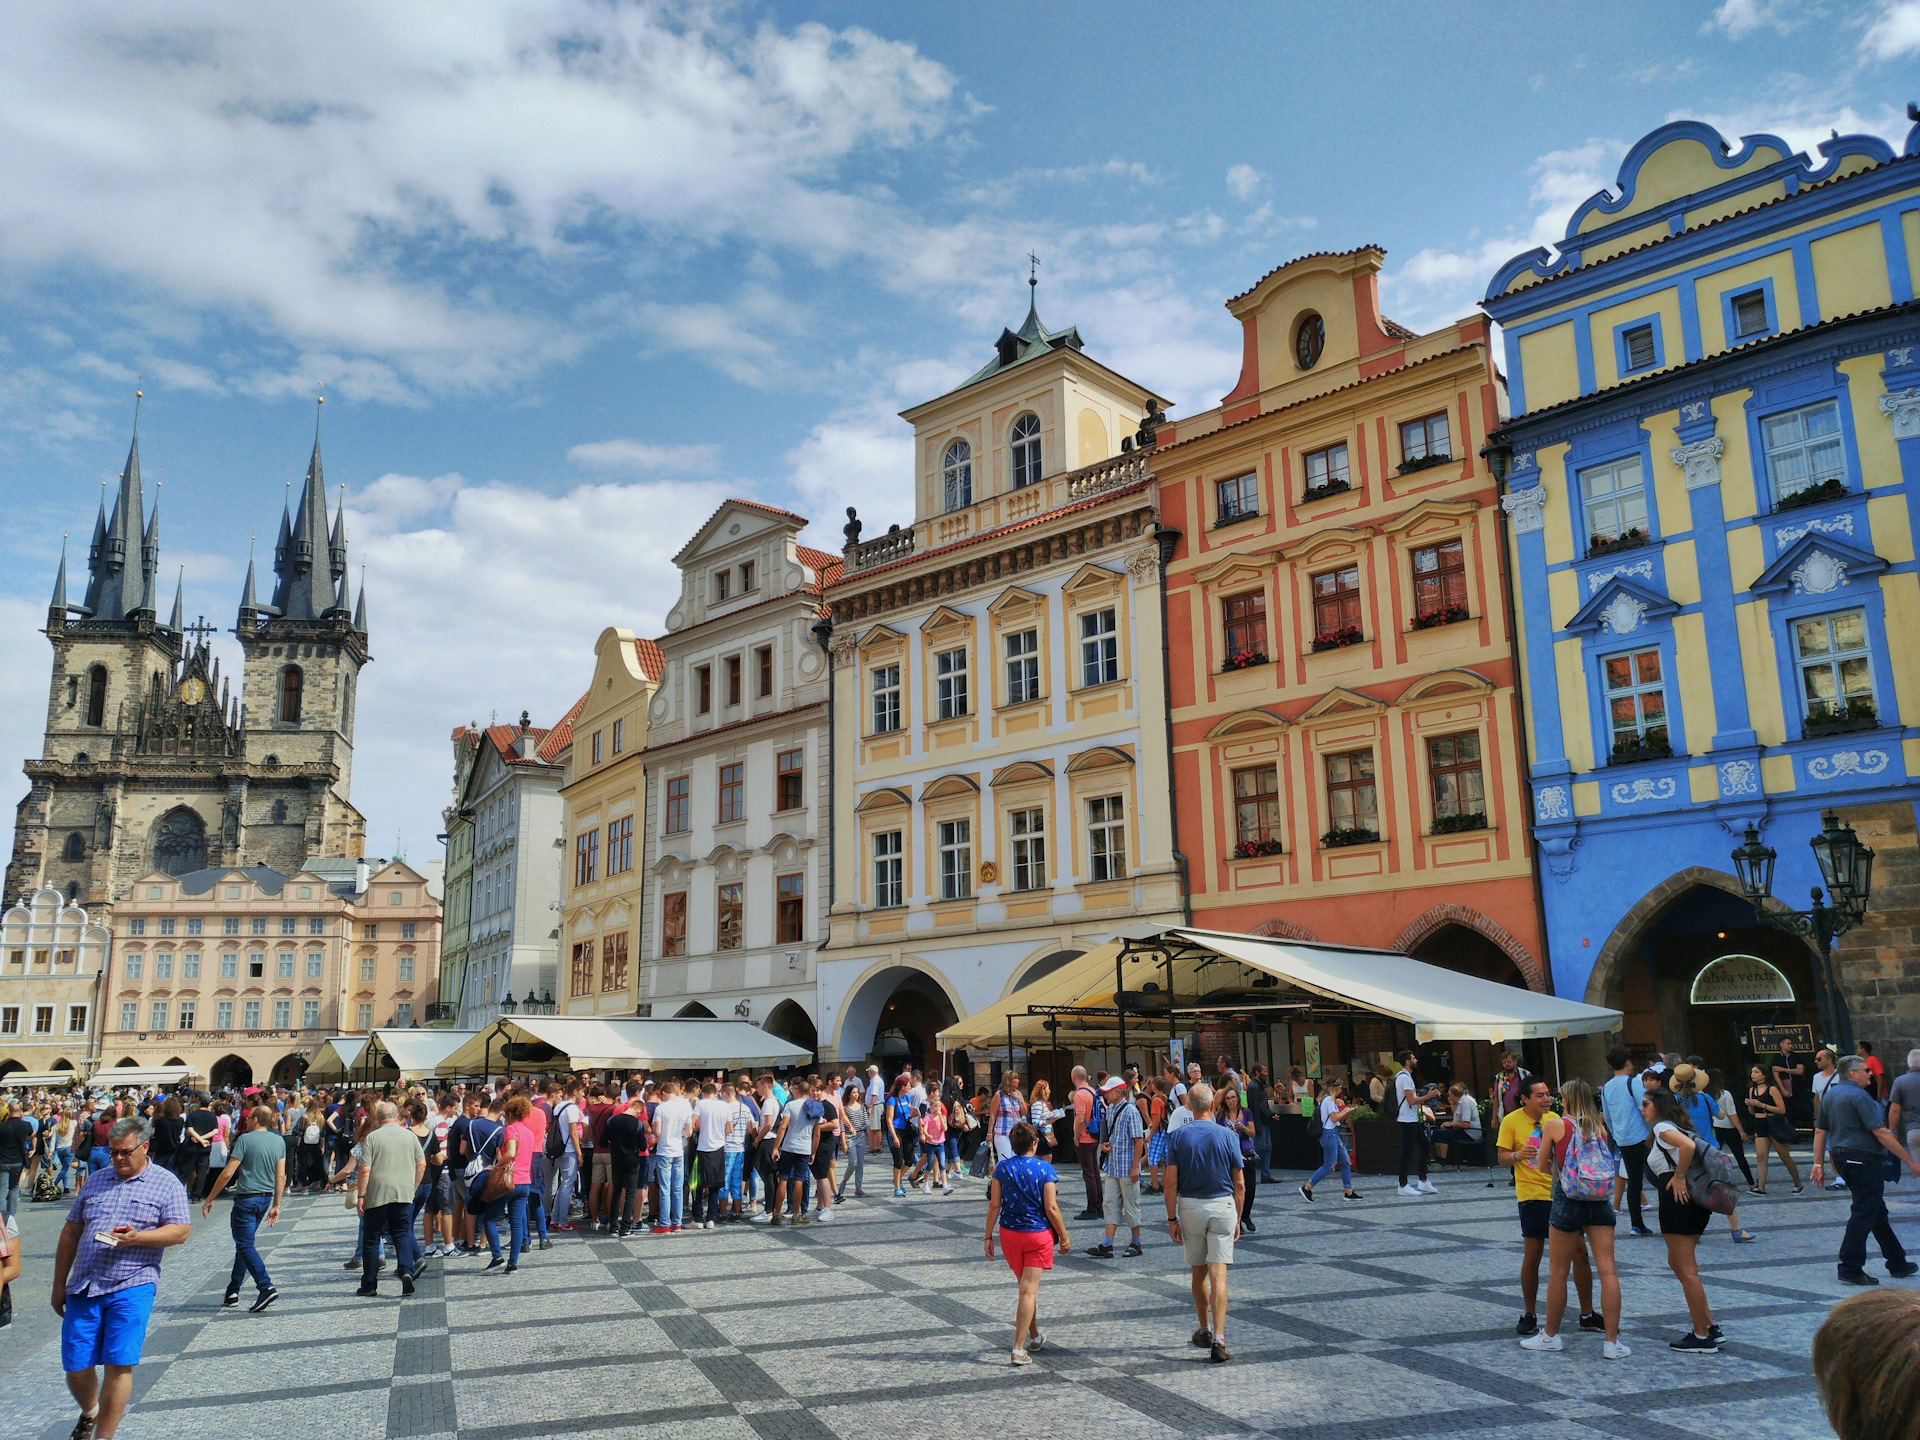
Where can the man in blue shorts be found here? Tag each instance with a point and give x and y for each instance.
(107, 1270)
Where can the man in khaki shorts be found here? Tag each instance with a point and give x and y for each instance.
(1203, 1187)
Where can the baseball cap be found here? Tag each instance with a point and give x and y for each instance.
(1114, 1082)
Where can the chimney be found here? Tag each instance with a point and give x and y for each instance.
(360, 876)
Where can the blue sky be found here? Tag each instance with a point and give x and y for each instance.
(569, 274)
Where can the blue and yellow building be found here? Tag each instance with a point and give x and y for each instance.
(1714, 388)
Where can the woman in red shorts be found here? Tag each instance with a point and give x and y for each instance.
(1023, 1205)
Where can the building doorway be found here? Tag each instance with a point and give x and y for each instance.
(230, 1072)
(893, 1018)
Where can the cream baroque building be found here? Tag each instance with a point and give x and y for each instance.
(605, 795)
(1002, 790)
(52, 959)
(737, 767)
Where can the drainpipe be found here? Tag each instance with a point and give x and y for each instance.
(1167, 539)
(823, 637)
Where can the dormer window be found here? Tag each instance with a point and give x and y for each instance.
(1026, 451)
(956, 475)
(722, 586)
(749, 577)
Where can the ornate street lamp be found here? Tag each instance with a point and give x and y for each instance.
(508, 1005)
(1847, 867)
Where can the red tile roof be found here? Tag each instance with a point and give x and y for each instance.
(653, 661)
(561, 735)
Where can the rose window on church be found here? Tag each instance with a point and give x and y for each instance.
(180, 843)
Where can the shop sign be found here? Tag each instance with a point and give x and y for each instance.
(1765, 1039)
(1741, 980)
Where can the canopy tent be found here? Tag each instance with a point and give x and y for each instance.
(21, 1079)
(334, 1060)
(146, 1075)
(1148, 978)
(408, 1053)
(579, 1042)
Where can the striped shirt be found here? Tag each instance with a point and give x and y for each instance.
(146, 1201)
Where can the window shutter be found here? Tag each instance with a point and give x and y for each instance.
(1639, 347)
(1749, 313)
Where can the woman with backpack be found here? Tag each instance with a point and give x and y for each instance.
(1581, 1156)
(309, 1136)
(1689, 1084)
(1335, 1106)
(1682, 1218)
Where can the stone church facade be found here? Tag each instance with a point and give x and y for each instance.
(150, 760)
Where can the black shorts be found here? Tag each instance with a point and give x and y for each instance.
(1681, 1217)
(823, 1158)
(1535, 1218)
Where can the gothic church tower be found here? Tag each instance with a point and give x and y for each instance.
(148, 761)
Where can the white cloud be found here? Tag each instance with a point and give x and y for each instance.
(641, 457)
(1740, 18)
(1245, 181)
(1894, 33)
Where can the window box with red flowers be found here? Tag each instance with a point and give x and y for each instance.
(1338, 639)
(1340, 839)
(1256, 849)
(1445, 615)
(1244, 660)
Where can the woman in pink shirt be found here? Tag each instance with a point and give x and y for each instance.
(933, 1145)
(518, 1146)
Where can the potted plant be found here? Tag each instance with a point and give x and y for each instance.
(1243, 660)
(1255, 849)
(1357, 835)
(1832, 717)
(1651, 746)
(1322, 492)
(1444, 615)
(1338, 639)
(1376, 1142)
(1425, 462)
(1612, 544)
(1454, 824)
(1829, 489)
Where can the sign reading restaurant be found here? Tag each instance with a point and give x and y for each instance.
(1740, 980)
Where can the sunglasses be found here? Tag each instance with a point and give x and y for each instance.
(128, 1154)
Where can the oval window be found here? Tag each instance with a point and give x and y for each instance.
(1309, 339)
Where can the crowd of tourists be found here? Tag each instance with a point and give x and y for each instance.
(487, 1172)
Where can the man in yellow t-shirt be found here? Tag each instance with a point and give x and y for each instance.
(1519, 1145)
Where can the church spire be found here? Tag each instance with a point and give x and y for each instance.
(57, 607)
(360, 607)
(303, 561)
(178, 623)
(124, 548)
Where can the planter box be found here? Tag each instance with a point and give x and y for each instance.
(1294, 1147)
(1377, 1147)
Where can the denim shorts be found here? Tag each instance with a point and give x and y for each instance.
(1574, 1216)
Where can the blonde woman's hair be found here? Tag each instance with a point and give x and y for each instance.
(1578, 1104)
(1042, 1091)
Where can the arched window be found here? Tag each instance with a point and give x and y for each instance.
(1026, 450)
(97, 695)
(279, 812)
(957, 475)
(180, 842)
(76, 846)
(290, 695)
(73, 890)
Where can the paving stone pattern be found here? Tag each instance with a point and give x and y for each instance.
(1362, 1321)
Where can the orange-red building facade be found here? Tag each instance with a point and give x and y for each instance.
(1346, 755)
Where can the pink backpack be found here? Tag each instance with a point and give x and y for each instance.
(1590, 1167)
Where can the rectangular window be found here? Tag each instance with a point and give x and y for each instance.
(315, 964)
(316, 925)
(703, 679)
(749, 576)
(1028, 829)
(137, 926)
(77, 1018)
(1750, 314)
(789, 779)
(950, 683)
(1244, 618)
(789, 908)
(1256, 811)
(956, 859)
(722, 585)
(409, 929)
(673, 923)
(1023, 667)
(256, 967)
(166, 924)
(195, 925)
(1453, 770)
(1237, 498)
(283, 1014)
(1107, 838)
(1440, 582)
(586, 857)
(888, 890)
(367, 964)
(403, 1014)
(250, 1013)
(284, 965)
(1615, 497)
(289, 925)
(580, 978)
(1639, 348)
(257, 925)
(1336, 604)
(1327, 471)
(732, 910)
(163, 965)
(223, 1015)
(1425, 440)
(619, 851)
(230, 925)
(733, 792)
(613, 963)
(1804, 450)
(129, 1015)
(1099, 648)
(157, 1016)
(763, 666)
(10, 1020)
(619, 736)
(886, 698)
(1636, 703)
(43, 1019)
(309, 1014)
(136, 963)
(596, 747)
(1836, 673)
(189, 1010)
(406, 969)
(679, 820)
(1352, 803)
(190, 965)
(229, 966)
(733, 679)
(364, 1016)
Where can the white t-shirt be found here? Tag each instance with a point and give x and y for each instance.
(1468, 1109)
(714, 1114)
(1820, 1084)
(918, 1094)
(1403, 1091)
(876, 1094)
(741, 1113)
(1665, 1148)
(566, 1117)
(671, 1117)
(1181, 1115)
(1723, 1120)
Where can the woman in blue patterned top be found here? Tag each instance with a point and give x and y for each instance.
(1023, 1204)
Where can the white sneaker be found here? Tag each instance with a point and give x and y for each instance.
(1411, 1191)
(707, 1225)
(948, 1189)
(1427, 1187)
(1542, 1341)
(825, 1215)
(1615, 1350)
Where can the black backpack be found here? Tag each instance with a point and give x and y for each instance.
(556, 1145)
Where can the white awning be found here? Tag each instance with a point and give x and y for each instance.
(335, 1058)
(145, 1075)
(415, 1054)
(580, 1042)
(21, 1079)
(1208, 970)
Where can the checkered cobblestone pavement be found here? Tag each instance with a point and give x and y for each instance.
(1366, 1321)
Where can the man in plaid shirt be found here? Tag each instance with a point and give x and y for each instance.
(107, 1270)
(1123, 1147)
